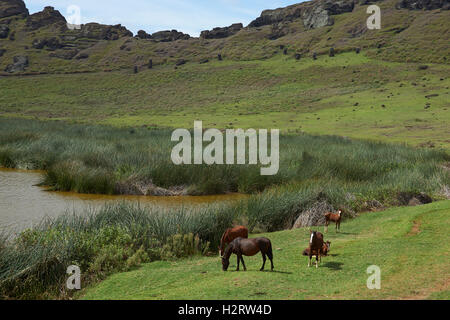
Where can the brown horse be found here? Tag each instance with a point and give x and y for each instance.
(230, 235)
(315, 247)
(333, 217)
(248, 247)
(325, 250)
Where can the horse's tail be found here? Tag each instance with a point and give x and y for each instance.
(269, 251)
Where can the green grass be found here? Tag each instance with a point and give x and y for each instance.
(275, 93)
(413, 265)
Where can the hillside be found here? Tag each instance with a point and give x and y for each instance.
(408, 244)
(412, 31)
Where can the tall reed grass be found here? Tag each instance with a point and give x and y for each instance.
(107, 160)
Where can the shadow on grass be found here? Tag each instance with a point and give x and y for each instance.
(336, 266)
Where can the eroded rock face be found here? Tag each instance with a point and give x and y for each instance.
(219, 33)
(9, 8)
(424, 4)
(104, 32)
(19, 65)
(278, 15)
(169, 35)
(315, 14)
(49, 16)
(320, 13)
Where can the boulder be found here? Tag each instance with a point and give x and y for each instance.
(4, 31)
(19, 65)
(314, 216)
(413, 198)
(169, 35)
(49, 16)
(104, 32)
(219, 33)
(423, 4)
(10, 8)
(2, 52)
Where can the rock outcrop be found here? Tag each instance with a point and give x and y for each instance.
(424, 4)
(219, 33)
(315, 14)
(49, 16)
(9, 8)
(169, 35)
(143, 35)
(104, 32)
(19, 65)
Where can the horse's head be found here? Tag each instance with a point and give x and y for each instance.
(225, 263)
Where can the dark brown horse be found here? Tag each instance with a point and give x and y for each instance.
(230, 235)
(248, 247)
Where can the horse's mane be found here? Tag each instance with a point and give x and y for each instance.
(223, 239)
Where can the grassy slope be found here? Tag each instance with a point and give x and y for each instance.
(409, 244)
(312, 96)
(406, 35)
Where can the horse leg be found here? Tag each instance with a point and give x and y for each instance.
(243, 263)
(326, 226)
(317, 260)
(264, 261)
(270, 255)
(238, 261)
(309, 263)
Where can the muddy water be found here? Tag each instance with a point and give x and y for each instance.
(23, 204)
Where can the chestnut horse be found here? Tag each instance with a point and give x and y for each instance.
(315, 247)
(248, 247)
(333, 217)
(232, 234)
(325, 250)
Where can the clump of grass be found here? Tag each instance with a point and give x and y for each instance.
(115, 238)
(103, 159)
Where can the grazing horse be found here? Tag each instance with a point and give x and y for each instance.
(325, 250)
(230, 235)
(333, 217)
(248, 247)
(315, 247)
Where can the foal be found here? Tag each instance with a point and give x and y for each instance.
(248, 247)
(333, 217)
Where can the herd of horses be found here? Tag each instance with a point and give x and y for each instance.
(236, 241)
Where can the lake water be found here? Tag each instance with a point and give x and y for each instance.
(23, 204)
